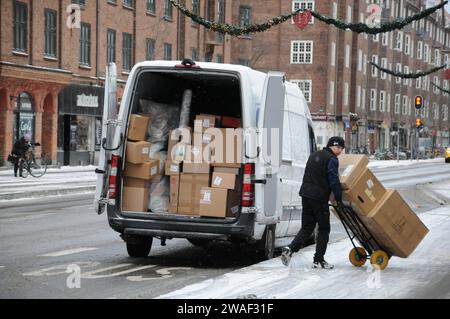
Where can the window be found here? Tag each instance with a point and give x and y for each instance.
(363, 99)
(385, 38)
(444, 112)
(127, 45)
(418, 82)
(405, 105)
(331, 92)
(390, 68)
(365, 64)
(220, 19)
(383, 65)
(303, 5)
(301, 52)
(382, 101)
(376, 37)
(333, 54)
(345, 94)
(419, 50)
(349, 14)
(446, 60)
(244, 16)
(219, 58)
(347, 56)
(150, 49)
(358, 96)
(425, 53)
(397, 104)
(244, 62)
(151, 6)
(437, 57)
(50, 33)
(20, 25)
(306, 87)
(167, 51)
(424, 82)
(437, 83)
(194, 54)
(407, 44)
(168, 10)
(398, 69)
(111, 46)
(445, 84)
(335, 8)
(85, 44)
(359, 60)
(374, 69)
(389, 103)
(399, 41)
(127, 3)
(436, 111)
(373, 99)
(406, 71)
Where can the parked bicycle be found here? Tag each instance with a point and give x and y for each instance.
(34, 164)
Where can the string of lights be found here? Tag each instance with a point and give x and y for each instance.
(409, 75)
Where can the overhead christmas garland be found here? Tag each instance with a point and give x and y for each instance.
(409, 75)
(253, 28)
(443, 90)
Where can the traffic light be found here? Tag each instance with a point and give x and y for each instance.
(419, 123)
(418, 102)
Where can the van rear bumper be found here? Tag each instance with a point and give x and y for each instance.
(180, 227)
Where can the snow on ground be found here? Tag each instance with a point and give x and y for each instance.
(392, 163)
(425, 274)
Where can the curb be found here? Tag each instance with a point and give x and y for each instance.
(52, 192)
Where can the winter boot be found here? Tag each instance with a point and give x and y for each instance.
(322, 265)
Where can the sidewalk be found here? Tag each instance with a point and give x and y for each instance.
(56, 181)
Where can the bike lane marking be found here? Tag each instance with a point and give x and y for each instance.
(68, 252)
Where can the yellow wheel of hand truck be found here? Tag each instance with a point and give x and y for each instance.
(357, 256)
(379, 259)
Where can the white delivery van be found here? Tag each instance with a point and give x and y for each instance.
(270, 207)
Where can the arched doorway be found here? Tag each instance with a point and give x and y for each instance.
(24, 116)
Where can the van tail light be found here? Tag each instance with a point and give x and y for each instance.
(248, 189)
(113, 176)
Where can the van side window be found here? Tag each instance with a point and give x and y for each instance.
(300, 140)
(312, 139)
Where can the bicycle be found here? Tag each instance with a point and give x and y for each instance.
(34, 165)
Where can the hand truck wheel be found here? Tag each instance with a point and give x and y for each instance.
(379, 259)
(357, 256)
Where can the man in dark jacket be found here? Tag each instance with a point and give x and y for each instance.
(20, 147)
(320, 179)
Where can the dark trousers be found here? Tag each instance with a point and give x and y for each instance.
(18, 166)
(314, 212)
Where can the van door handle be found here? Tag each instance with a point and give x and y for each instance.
(259, 181)
(99, 171)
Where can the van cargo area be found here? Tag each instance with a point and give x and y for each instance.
(177, 179)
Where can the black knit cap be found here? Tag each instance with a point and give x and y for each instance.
(336, 141)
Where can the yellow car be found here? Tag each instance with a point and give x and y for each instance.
(447, 154)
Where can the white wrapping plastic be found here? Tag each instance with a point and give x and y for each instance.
(163, 118)
(185, 108)
(159, 194)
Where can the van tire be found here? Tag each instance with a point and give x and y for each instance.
(266, 246)
(140, 249)
(198, 241)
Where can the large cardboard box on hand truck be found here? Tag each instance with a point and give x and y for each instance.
(395, 225)
(350, 168)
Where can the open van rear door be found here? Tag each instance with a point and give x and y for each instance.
(109, 116)
(270, 136)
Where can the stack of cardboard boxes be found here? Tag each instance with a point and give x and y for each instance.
(139, 168)
(202, 181)
(388, 217)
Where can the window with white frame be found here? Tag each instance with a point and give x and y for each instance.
(418, 82)
(406, 71)
(382, 101)
(446, 60)
(407, 44)
(405, 105)
(331, 92)
(349, 14)
(373, 99)
(444, 112)
(383, 65)
(358, 96)
(419, 50)
(361, 17)
(397, 104)
(335, 7)
(399, 41)
(306, 87)
(436, 82)
(374, 69)
(389, 103)
(347, 56)
(412, 48)
(302, 52)
(437, 57)
(436, 111)
(359, 60)
(385, 39)
(365, 64)
(445, 84)
(303, 5)
(398, 69)
(333, 53)
(425, 53)
(363, 99)
(376, 37)
(345, 94)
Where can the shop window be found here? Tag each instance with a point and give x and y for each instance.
(24, 117)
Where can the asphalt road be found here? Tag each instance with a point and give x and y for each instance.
(46, 243)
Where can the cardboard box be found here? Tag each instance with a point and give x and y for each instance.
(178, 139)
(174, 192)
(137, 128)
(228, 121)
(218, 202)
(226, 148)
(202, 138)
(172, 168)
(365, 193)
(137, 152)
(224, 180)
(135, 199)
(230, 170)
(136, 182)
(196, 154)
(196, 168)
(395, 225)
(205, 121)
(189, 193)
(350, 168)
(146, 170)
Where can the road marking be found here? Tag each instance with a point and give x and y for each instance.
(68, 252)
(1, 267)
(28, 217)
(60, 269)
(91, 274)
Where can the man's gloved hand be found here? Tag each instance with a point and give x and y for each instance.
(340, 205)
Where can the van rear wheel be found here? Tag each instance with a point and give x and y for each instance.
(266, 247)
(139, 249)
